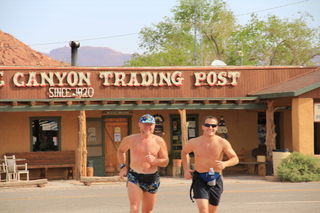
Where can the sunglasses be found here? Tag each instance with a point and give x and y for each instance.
(208, 125)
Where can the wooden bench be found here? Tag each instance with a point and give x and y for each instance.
(242, 161)
(49, 159)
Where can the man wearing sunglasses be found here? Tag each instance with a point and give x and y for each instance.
(208, 150)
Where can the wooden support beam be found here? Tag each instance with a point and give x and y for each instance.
(190, 101)
(239, 101)
(156, 102)
(184, 126)
(223, 101)
(86, 102)
(258, 101)
(138, 102)
(88, 180)
(39, 183)
(206, 101)
(121, 102)
(51, 103)
(271, 134)
(82, 147)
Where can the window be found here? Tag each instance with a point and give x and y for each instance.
(176, 131)
(45, 133)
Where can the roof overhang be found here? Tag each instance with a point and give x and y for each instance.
(14, 105)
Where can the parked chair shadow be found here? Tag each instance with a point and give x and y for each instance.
(12, 169)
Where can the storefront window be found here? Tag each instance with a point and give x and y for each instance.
(176, 132)
(45, 134)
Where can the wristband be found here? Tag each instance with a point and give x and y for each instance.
(122, 165)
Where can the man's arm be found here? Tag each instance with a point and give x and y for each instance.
(162, 159)
(186, 160)
(233, 158)
(121, 155)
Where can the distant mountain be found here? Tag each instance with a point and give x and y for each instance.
(91, 56)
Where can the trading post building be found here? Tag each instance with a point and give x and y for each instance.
(89, 110)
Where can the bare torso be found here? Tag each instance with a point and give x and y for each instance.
(140, 147)
(206, 152)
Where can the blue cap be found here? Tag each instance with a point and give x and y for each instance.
(147, 119)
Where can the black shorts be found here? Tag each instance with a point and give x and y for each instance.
(201, 190)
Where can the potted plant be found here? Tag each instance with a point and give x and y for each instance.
(176, 158)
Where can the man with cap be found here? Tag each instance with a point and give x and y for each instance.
(147, 152)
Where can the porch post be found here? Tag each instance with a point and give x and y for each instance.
(184, 126)
(82, 148)
(270, 136)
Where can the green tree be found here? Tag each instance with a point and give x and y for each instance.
(201, 31)
(276, 42)
(172, 42)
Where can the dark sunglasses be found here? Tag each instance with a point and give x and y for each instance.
(208, 125)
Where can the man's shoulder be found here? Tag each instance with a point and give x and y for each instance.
(131, 137)
(195, 140)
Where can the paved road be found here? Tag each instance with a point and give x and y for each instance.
(242, 194)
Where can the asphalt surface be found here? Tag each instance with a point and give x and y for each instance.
(242, 193)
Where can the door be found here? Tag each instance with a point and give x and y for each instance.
(95, 146)
(116, 128)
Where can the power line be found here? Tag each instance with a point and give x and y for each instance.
(271, 8)
(88, 39)
(138, 33)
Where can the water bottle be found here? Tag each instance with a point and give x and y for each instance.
(211, 176)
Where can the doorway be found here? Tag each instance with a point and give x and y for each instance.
(115, 128)
(95, 146)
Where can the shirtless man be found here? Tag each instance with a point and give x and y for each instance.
(147, 152)
(208, 150)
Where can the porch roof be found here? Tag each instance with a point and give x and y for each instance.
(76, 104)
(291, 88)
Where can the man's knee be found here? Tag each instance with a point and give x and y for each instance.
(134, 209)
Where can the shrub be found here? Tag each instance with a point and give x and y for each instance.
(298, 167)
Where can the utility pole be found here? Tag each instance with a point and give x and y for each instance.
(195, 33)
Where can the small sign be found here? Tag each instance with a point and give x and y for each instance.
(317, 112)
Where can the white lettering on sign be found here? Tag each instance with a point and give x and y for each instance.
(2, 83)
(16, 78)
(62, 92)
(78, 84)
(147, 79)
(220, 79)
(52, 79)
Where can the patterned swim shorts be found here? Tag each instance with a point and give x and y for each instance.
(151, 187)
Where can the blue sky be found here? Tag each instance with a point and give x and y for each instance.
(46, 25)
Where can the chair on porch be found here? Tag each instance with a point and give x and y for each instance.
(12, 169)
(2, 170)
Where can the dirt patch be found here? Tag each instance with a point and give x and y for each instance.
(15, 53)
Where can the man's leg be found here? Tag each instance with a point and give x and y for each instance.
(148, 202)
(213, 209)
(203, 205)
(135, 196)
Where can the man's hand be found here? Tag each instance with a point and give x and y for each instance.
(150, 158)
(219, 165)
(123, 172)
(188, 174)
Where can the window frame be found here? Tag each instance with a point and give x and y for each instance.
(58, 118)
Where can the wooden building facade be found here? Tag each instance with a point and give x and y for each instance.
(90, 109)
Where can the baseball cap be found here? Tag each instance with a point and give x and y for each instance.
(147, 119)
